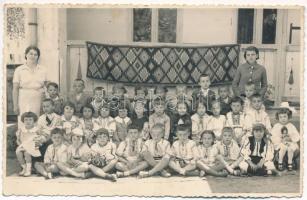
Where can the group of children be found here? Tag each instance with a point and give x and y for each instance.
(113, 137)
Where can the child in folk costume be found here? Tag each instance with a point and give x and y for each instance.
(105, 120)
(27, 136)
(87, 123)
(78, 96)
(207, 153)
(217, 121)
(182, 117)
(224, 98)
(78, 155)
(68, 121)
(183, 153)
(53, 94)
(199, 121)
(49, 120)
(159, 117)
(104, 156)
(204, 94)
(129, 154)
(56, 152)
(257, 152)
(98, 100)
(285, 136)
(122, 122)
(256, 115)
(228, 152)
(235, 119)
(156, 153)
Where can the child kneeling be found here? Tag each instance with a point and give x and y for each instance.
(156, 153)
(56, 152)
(258, 153)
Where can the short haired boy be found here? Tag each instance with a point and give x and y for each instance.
(98, 100)
(225, 99)
(78, 96)
(56, 152)
(256, 115)
(204, 93)
(53, 94)
(129, 154)
(229, 151)
(156, 153)
(49, 120)
(183, 153)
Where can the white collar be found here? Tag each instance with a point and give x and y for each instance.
(32, 130)
(73, 119)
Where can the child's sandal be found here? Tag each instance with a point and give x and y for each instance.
(119, 174)
(280, 167)
(236, 173)
(290, 167)
(143, 174)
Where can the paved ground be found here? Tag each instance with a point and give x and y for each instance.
(155, 186)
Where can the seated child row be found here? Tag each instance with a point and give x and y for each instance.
(71, 152)
(156, 155)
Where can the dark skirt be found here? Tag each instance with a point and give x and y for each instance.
(42, 150)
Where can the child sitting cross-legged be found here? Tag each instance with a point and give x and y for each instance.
(258, 153)
(206, 155)
(228, 152)
(183, 153)
(156, 153)
(129, 154)
(103, 157)
(78, 155)
(56, 152)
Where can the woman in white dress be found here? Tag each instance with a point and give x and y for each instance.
(28, 83)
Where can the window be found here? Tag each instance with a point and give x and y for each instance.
(167, 25)
(269, 26)
(142, 25)
(245, 26)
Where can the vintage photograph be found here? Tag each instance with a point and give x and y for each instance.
(153, 101)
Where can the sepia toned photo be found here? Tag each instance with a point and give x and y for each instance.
(153, 101)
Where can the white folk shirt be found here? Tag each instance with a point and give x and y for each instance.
(199, 123)
(55, 154)
(157, 149)
(207, 154)
(231, 151)
(216, 124)
(185, 150)
(43, 124)
(109, 150)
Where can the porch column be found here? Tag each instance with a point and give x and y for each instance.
(32, 26)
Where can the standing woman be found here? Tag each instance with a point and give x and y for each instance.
(250, 71)
(28, 82)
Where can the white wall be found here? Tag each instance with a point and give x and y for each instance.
(99, 25)
(209, 26)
